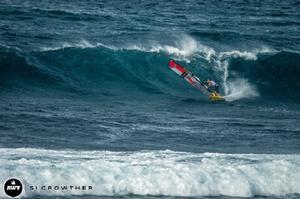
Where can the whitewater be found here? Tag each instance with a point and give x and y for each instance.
(167, 173)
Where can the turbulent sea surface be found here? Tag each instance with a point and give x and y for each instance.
(87, 98)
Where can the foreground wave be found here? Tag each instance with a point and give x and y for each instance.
(90, 68)
(166, 173)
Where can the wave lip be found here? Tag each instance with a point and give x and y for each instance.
(166, 173)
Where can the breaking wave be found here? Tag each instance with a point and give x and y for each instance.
(93, 67)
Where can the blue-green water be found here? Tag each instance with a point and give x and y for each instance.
(87, 98)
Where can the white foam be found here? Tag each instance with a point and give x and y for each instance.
(81, 44)
(240, 88)
(183, 49)
(247, 55)
(166, 173)
(238, 54)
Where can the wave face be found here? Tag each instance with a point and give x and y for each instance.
(95, 68)
(156, 173)
(276, 74)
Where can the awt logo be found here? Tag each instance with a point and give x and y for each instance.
(13, 187)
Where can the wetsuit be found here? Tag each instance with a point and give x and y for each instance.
(213, 86)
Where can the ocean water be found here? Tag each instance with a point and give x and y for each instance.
(88, 99)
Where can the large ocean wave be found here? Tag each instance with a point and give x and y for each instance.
(167, 173)
(92, 67)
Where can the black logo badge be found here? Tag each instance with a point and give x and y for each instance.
(13, 187)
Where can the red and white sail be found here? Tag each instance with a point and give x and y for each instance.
(188, 76)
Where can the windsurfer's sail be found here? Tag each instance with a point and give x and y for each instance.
(193, 80)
